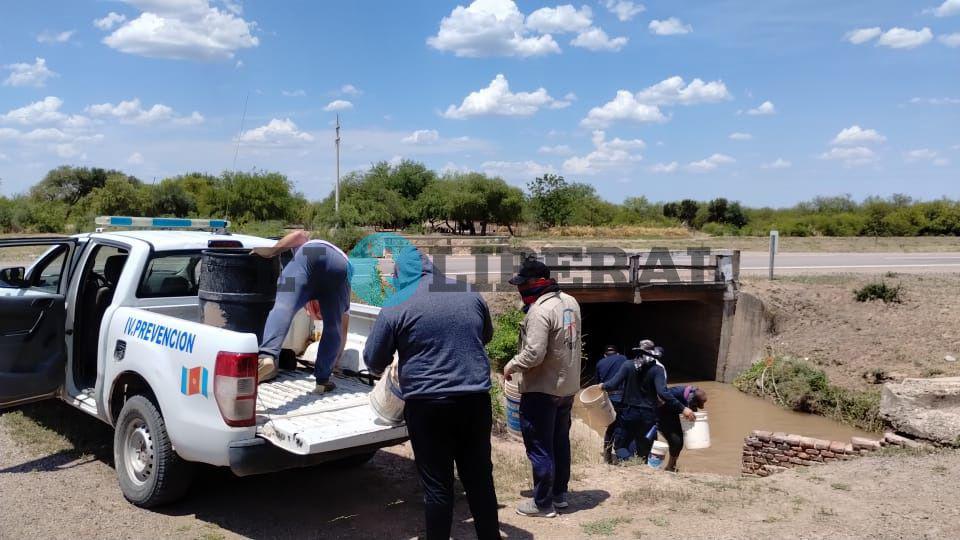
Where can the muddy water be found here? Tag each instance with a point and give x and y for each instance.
(733, 415)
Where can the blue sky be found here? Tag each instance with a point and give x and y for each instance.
(765, 102)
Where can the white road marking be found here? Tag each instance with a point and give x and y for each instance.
(851, 266)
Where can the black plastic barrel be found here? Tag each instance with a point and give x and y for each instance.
(237, 289)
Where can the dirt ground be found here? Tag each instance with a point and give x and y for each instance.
(817, 317)
(57, 487)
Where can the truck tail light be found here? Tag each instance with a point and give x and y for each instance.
(235, 388)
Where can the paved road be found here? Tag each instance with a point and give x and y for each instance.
(755, 263)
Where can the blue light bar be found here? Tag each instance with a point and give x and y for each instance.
(161, 222)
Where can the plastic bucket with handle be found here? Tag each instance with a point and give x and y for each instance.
(386, 399)
(511, 394)
(597, 405)
(696, 434)
(657, 454)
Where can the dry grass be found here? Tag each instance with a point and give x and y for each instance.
(620, 231)
(28, 432)
(603, 527)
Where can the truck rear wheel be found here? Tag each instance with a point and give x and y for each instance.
(149, 470)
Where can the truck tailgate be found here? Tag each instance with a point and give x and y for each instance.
(292, 417)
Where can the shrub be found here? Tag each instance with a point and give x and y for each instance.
(798, 385)
(879, 291)
(506, 338)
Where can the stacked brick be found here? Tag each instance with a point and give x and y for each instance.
(765, 453)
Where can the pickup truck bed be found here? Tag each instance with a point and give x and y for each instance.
(292, 417)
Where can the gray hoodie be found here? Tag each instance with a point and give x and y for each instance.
(438, 335)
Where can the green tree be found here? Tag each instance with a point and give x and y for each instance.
(120, 195)
(551, 200)
(70, 184)
(170, 197)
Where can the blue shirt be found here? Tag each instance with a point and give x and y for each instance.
(438, 335)
(607, 367)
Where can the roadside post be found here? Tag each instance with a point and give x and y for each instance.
(774, 244)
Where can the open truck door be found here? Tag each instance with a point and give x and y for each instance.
(34, 276)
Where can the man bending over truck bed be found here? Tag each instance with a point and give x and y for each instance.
(318, 278)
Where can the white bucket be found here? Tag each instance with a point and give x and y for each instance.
(386, 399)
(511, 395)
(657, 454)
(696, 434)
(597, 404)
(301, 327)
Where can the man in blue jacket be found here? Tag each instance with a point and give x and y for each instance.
(668, 422)
(644, 387)
(607, 367)
(438, 330)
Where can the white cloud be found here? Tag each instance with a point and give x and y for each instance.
(182, 29)
(45, 111)
(109, 21)
(276, 133)
(669, 27)
(947, 8)
(350, 90)
(490, 28)
(856, 135)
(674, 91)
(338, 105)
(665, 168)
(50, 38)
(850, 156)
(764, 109)
(710, 163)
(615, 153)
(516, 170)
(132, 112)
(560, 19)
(557, 150)
(925, 154)
(903, 38)
(950, 40)
(193, 119)
(595, 39)
(497, 99)
(422, 136)
(737, 136)
(23, 74)
(68, 150)
(135, 158)
(863, 35)
(625, 10)
(935, 101)
(644, 105)
(778, 163)
(293, 93)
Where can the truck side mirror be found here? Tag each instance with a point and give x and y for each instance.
(13, 276)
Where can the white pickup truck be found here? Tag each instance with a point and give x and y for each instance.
(109, 323)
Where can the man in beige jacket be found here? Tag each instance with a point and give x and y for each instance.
(549, 364)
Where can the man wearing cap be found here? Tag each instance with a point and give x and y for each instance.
(668, 423)
(607, 367)
(549, 364)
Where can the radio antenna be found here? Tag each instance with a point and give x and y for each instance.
(243, 117)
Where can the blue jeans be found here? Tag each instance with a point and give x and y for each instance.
(318, 272)
(545, 423)
(630, 435)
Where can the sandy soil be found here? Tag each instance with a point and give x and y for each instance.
(754, 243)
(817, 317)
(55, 487)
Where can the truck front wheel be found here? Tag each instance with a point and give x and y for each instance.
(149, 470)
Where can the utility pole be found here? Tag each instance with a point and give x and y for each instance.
(336, 200)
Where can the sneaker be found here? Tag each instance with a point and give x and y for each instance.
(560, 501)
(529, 508)
(266, 368)
(324, 387)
